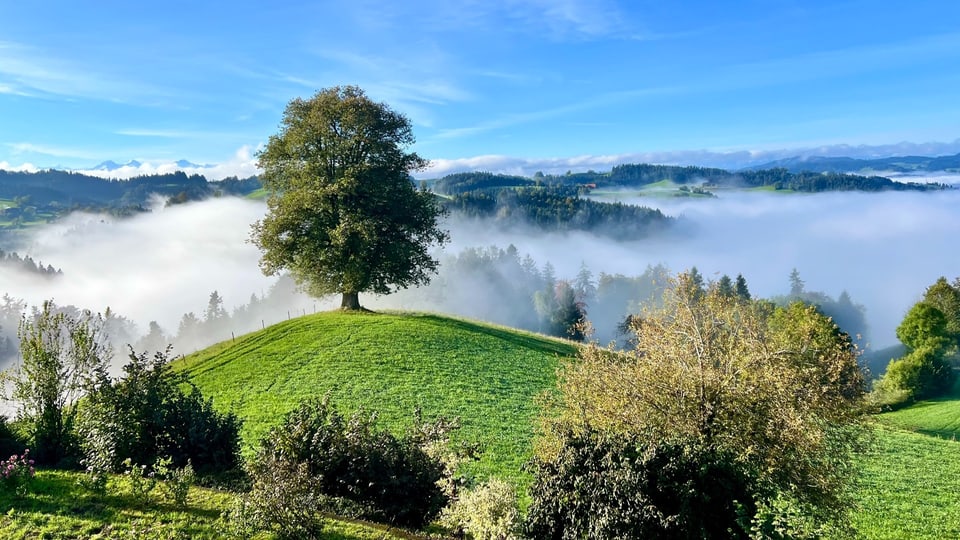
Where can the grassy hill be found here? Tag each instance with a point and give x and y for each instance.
(489, 376)
(911, 477)
(390, 363)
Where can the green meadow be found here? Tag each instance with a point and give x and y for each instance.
(489, 377)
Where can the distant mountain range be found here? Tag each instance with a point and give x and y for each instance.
(902, 164)
(110, 165)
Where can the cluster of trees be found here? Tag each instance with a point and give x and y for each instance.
(930, 331)
(560, 208)
(72, 413)
(848, 315)
(14, 260)
(455, 184)
(637, 175)
(903, 164)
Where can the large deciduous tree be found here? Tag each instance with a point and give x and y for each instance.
(344, 215)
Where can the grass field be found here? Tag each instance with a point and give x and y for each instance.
(390, 363)
(57, 507)
(911, 482)
(936, 417)
(910, 487)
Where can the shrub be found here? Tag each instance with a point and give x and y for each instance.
(16, 473)
(177, 481)
(611, 487)
(487, 512)
(141, 479)
(387, 478)
(146, 416)
(921, 374)
(11, 442)
(63, 357)
(285, 499)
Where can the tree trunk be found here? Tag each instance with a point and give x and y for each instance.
(350, 301)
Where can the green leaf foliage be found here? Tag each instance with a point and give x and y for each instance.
(153, 412)
(774, 392)
(924, 326)
(610, 486)
(923, 373)
(344, 215)
(390, 479)
(63, 356)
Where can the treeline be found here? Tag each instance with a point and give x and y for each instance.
(901, 164)
(59, 192)
(560, 208)
(26, 263)
(196, 329)
(638, 175)
(509, 288)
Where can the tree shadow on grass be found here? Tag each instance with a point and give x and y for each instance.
(56, 493)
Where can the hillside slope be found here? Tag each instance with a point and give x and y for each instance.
(911, 475)
(390, 363)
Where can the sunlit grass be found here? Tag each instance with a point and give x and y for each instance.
(936, 417)
(909, 487)
(486, 375)
(57, 507)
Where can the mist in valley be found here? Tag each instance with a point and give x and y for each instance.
(884, 249)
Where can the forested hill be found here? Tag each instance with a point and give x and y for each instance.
(559, 208)
(639, 175)
(56, 191)
(900, 164)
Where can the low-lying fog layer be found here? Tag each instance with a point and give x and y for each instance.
(884, 249)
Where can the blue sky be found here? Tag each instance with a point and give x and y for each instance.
(496, 85)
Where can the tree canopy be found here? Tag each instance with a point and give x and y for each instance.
(344, 215)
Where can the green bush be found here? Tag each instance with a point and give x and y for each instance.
(142, 480)
(284, 499)
(921, 374)
(146, 416)
(176, 481)
(387, 478)
(612, 487)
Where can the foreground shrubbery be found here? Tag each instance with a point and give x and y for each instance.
(731, 418)
(318, 460)
(146, 416)
(612, 486)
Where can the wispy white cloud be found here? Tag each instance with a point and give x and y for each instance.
(515, 119)
(176, 133)
(54, 151)
(27, 70)
(569, 18)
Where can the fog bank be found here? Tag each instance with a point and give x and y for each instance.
(884, 249)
